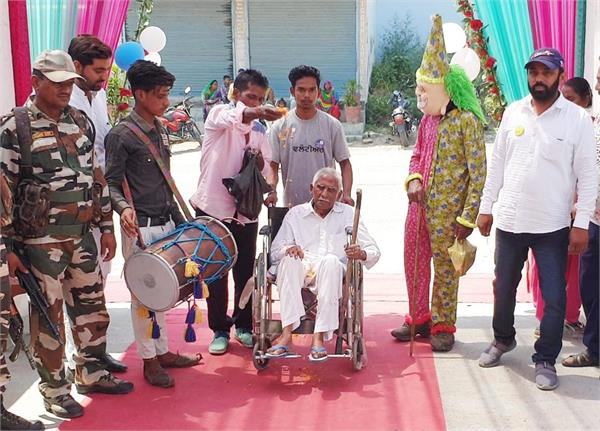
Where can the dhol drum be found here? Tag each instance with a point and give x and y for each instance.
(156, 275)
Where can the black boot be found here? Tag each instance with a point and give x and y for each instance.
(63, 406)
(10, 421)
(112, 365)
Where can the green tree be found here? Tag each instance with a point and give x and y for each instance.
(401, 53)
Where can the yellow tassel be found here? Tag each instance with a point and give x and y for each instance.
(205, 292)
(150, 329)
(198, 316)
(191, 269)
(142, 312)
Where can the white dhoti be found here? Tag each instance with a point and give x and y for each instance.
(323, 275)
(147, 346)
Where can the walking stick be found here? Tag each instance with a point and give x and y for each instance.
(413, 293)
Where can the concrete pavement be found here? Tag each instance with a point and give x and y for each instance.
(473, 398)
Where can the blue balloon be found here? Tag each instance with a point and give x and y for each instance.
(128, 53)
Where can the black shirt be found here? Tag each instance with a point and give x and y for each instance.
(127, 156)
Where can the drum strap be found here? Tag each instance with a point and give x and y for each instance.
(163, 168)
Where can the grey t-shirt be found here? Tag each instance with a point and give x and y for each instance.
(302, 147)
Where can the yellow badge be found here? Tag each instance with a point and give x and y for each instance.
(519, 131)
(43, 134)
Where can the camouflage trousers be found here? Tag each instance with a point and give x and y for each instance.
(4, 373)
(69, 272)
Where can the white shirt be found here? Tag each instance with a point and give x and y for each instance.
(98, 113)
(538, 163)
(318, 236)
(596, 216)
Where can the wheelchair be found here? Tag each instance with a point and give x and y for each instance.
(349, 342)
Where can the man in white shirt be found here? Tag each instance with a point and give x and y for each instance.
(92, 59)
(310, 250)
(589, 278)
(543, 154)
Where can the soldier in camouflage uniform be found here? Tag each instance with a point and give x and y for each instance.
(8, 420)
(63, 256)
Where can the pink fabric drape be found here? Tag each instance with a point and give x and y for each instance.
(19, 39)
(553, 24)
(102, 18)
(420, 162)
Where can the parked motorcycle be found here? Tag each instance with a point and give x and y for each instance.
(179, 123)
(402, 124)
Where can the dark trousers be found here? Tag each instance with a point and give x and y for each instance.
(218, 320)
(550, 251)
(589, 285)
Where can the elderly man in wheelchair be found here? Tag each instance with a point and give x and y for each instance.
(312, 250)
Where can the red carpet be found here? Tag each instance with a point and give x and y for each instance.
(392, 392)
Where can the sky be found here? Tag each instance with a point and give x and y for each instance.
(420, 12)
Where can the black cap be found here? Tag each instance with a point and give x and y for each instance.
(549, 57)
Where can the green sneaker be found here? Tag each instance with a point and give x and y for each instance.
(219, 344)
(244, 337)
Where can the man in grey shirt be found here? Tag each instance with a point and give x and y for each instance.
(307, 140)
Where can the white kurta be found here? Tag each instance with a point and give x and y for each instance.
(322, 269)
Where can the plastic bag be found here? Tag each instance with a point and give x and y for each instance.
(248, 187)
(462, 253)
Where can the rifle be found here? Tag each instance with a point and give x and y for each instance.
(38, 301)
(15, 331)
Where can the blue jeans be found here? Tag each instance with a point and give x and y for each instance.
(589, 283)
(550, 250)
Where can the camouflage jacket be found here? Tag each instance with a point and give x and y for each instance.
(62, 158)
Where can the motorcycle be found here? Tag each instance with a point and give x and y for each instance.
(402, 124)
(179, 123)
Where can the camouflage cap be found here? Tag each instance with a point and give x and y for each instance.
(56, 65)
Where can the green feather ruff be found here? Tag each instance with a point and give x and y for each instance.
(462, 92)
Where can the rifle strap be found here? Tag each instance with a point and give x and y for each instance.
(23, 128)
(163, 168)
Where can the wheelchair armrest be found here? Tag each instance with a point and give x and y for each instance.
(265, 230)
(348, 230)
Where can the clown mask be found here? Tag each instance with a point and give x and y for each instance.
(432, 99)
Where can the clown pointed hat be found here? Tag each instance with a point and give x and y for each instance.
(434, 66)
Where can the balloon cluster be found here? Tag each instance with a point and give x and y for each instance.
(494, 103)
(152, 41)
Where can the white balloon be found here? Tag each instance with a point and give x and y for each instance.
(454, 37)
(469, 60)
(154, 57)
(153, 39)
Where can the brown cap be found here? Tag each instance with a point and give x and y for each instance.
(56, 65)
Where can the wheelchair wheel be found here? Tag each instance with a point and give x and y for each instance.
(358, 350)
(259, 363)
(358, 343)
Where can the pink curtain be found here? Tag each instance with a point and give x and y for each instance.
(553, 24)
(19, 40)
(102, 18)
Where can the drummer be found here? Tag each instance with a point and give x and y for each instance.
(150, 211)
(229, 130)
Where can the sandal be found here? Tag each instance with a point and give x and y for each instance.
(317, 354)
(277, 351)
(181, 361)
(582, 359)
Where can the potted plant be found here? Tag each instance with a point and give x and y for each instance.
(351, 100)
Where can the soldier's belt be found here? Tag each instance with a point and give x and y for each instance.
(70, 196)
(68, 229)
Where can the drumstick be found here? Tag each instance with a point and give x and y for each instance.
(129, 199)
